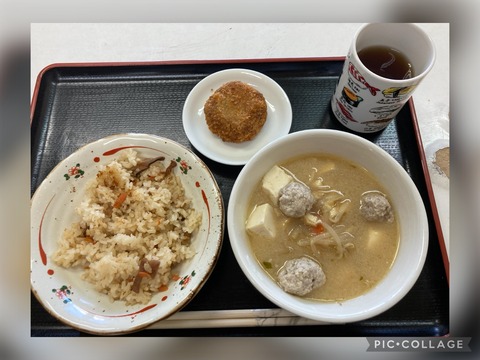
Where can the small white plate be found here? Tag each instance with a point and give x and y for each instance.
(279, 116)
(75, 302)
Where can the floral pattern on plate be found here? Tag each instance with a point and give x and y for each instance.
(74, 301)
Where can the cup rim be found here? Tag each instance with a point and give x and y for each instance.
(405, 82)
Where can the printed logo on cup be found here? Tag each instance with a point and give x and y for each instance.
(383, 67)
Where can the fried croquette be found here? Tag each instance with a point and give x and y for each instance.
(236, 112)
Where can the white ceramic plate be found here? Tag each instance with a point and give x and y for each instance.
(279, 116)
(74, 301)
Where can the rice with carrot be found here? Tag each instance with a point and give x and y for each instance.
(136, 224)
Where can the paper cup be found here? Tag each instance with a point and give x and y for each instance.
(367, 99)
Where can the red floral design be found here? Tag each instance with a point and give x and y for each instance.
(184, 167)
(186, 280)
(74, 171)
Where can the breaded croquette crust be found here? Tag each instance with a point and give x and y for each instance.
(236, 112)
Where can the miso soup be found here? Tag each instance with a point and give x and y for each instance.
(359, 252)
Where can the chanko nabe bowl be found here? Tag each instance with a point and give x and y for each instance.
(410, 212)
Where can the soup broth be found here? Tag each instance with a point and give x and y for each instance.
(369, 247)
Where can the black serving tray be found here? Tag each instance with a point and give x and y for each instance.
(74, 104)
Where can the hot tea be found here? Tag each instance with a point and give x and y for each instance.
(386, 62)
(384, 65)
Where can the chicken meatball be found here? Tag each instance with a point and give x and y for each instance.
(374, 206)
(300, 276)
(295, 199)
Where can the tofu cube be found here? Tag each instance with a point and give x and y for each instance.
(262, 222)
(273, 181)
(326, 167)
(374, 239)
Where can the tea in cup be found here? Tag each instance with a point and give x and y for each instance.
(383, 67)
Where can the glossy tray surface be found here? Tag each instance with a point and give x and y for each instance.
(77, 104)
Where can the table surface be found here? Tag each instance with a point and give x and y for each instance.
(83, 43)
